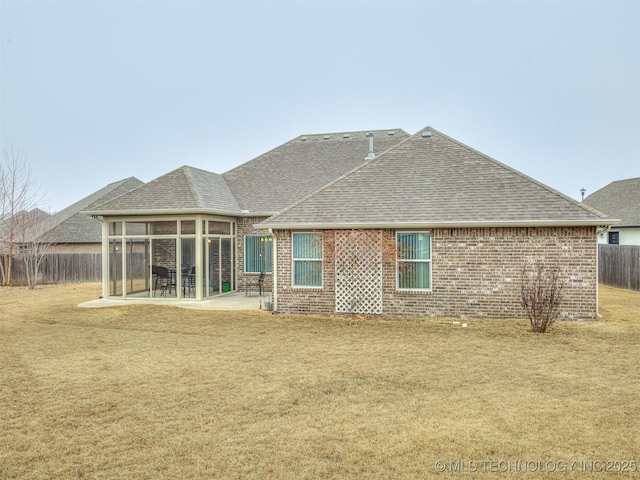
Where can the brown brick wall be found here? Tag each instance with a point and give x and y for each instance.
(476, 272)
(76, 248)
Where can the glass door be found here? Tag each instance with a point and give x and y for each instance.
(214, 265)
(115, 268)
(137, 267)
(164, 274)
(220, 272)
(226, 265)
(188, 267)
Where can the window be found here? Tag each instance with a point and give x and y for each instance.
(221, 228)
(414, 261)
(257, 253)
(115, 228)
(614, 238)
(188, 227)
(307, 260)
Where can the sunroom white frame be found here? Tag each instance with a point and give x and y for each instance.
(201, 261)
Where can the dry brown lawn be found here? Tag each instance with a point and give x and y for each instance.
(149, 392)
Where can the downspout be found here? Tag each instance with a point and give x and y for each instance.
(274, 253)
(598, 314)
(599, 230)
(105, 258)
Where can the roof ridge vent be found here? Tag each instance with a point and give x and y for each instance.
(370, 155)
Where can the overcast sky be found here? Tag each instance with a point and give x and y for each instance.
(97, 91)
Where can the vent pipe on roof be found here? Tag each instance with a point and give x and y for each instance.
(370, 154)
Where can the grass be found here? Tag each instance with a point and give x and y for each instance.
(162, 392)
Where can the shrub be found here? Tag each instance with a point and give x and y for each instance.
(541, 295)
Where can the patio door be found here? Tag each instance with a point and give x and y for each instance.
(227, 265)
(188, 267)
(164, 273)
(220, 265)
(137, 267)
(115, 267)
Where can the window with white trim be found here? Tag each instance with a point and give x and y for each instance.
(257, 253)
(307, 259)
(413, 270)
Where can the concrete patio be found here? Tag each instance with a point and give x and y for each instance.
(228, 301)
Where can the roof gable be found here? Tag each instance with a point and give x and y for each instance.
(432, 179)
(620, 199)
(275, 180)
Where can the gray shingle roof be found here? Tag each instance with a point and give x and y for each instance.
(21, 224)
(275, 180)
(182, 190)
(72, 226)
(435, 180)
(620, 199)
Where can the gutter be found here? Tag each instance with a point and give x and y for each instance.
(438, 224)
(166, 211)
(156, 212)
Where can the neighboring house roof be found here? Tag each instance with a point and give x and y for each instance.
(184, 190)
(433, 180)
(72, 226)
(24, 223)
(36, 213)
(273, 181)
(620, 199)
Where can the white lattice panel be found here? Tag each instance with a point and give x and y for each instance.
(358, 262)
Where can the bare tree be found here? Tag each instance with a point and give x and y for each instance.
(542, 294)
(19, 195)
(37, 238)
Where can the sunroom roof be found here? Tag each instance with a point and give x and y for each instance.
(186, 189)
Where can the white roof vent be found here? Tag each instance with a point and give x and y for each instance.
(326, 137)
(304, 139)
(427, 134)
(391, 133)
(346, 135)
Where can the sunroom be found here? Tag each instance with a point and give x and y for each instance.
(168, 257)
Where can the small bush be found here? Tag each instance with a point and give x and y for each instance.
(541, 295)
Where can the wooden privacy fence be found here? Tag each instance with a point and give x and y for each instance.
(61, 268)
(619, 266)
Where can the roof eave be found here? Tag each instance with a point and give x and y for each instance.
(153, 212)
(440, 224)
(248, 213)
